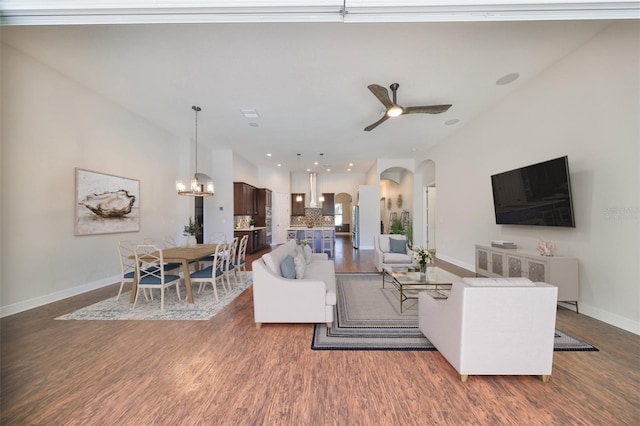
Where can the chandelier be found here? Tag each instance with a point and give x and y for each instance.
(201, 184)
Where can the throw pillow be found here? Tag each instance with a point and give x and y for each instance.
(288, 268)
(397, 245)
(307, 253)
(300, 265)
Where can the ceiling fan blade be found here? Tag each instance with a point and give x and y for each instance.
(382, 94)
(370, 127)
(428, 109)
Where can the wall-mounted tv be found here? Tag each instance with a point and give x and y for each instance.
(539, 194)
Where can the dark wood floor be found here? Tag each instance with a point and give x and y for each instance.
(226, 372)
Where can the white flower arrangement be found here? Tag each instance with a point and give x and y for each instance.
(423, 256)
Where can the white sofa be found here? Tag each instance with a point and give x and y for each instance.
(310, 299)
(383, 256)
(493, 326)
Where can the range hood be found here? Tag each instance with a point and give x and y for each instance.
(313, 190)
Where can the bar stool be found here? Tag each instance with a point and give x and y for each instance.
(310, 236)
(327, 242)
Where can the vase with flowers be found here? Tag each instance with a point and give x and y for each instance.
(191, 231)
(424, 257)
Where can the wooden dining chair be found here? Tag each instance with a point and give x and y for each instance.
(211, 274)
(230, 262)
(240, 264)
(126, 250)
(153, 275)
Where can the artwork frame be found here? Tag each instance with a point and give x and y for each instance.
(105, 203)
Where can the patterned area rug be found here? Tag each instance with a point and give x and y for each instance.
(367, 317)
(204, 307)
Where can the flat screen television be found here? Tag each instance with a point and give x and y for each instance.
(539, 194)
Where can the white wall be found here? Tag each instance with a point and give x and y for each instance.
(244, 171)
(369, 196)
(587, 107)
(50, 126)
(218, 210)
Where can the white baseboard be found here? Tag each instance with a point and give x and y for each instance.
(54, 297)
(612, 319)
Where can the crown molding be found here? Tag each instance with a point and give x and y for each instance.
(70, 12)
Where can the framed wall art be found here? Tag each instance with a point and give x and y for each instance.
(106, 203)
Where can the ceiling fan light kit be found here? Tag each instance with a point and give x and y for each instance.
(395, 110)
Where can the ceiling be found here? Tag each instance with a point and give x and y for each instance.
(307, 81)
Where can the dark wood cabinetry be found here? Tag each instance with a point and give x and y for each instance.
(244, 199)
(328, 205)
(297, 207)
(257, 238)
(263, 201)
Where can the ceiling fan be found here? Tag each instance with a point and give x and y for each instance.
(394, 110)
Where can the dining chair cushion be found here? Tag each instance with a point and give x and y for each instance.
(149, 279)
(207, 259)
(171, 266)
(129, 274)
(205, 273)
(239, 262)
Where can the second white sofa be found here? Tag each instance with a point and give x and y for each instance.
(310, 299)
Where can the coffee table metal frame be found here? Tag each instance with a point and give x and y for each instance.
(403, 277)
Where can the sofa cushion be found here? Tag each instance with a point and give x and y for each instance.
(300, 264)
(306, 250)
(324, 270)
(397, 245)
(396, 258)
(499, 282)
(288, 268)
(273, 259)
(384, 243)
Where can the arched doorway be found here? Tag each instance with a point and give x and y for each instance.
(397, 201)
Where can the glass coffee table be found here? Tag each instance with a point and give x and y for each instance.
(409, 282)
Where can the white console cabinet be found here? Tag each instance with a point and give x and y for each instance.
(560, 271)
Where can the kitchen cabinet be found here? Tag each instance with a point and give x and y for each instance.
(244, 199)
(297, 207)
(328, 205)
(257, 238)
(263, 211)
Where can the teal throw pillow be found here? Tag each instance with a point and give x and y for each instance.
(398, 246)
(288, 268)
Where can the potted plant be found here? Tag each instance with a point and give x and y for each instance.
(252, 223)
(396, 227)
(191, 230)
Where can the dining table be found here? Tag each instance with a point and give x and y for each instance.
(182, 255)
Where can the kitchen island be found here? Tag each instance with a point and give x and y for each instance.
(298, 233)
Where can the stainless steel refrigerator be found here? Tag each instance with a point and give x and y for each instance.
(355, 226)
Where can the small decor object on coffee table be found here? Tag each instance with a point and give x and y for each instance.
(546, 248)
(423, 256)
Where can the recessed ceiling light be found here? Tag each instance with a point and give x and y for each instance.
(506, 79)
(279, 165)
(308, 170)
(350, 164)
(249, 112)
(452, 121)
(269, 154)
(252, 124)
(328, 170)
(348, 170)
(315, 163)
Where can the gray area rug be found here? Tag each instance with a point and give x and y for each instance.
(367, 317)
(204, 307)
